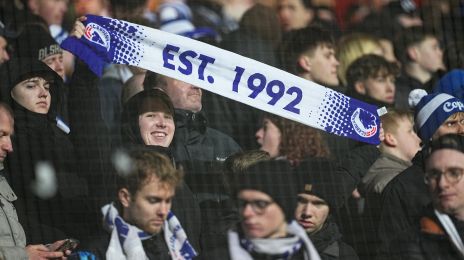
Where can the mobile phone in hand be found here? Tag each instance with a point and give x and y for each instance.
(69, 244)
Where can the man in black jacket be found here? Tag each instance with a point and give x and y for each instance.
(318, 197)
(442, 223)
(405, 196)
(140, 221)
(193, 140)
(12, 236)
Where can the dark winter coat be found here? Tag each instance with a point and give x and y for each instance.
(97, 146)
(405, 84)
(329, 244)
(403, 200)
(195, 141)
(428, 241)
(38, 139)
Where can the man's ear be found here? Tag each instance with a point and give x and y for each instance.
(124, 197)
(390, 140)
(305, 63)
(413, 53)
(360, 87)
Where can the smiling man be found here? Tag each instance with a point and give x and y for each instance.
(193, 140)
(442, 223)
(148, 119)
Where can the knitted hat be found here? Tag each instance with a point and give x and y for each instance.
(35, 42)
(452, 83)
(432, 110)
(317, 177)
(275, 178)
(176, 17)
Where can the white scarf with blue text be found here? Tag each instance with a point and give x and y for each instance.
(225, 73)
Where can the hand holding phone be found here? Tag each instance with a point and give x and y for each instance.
(68, 244)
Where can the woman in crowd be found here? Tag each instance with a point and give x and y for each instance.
(286, 139)
(42, 169)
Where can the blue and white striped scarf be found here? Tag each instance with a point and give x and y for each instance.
(126, 239)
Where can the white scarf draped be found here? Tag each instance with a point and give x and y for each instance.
(284, 247)
(126, 239)
(451, 230)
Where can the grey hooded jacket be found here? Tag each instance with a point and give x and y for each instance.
(12, 237)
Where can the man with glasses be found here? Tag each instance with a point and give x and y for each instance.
(442, 225)
(266, 202)
(404, 197)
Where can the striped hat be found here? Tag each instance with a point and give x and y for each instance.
(432, 110)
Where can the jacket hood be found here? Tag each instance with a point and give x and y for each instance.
(20, 69)
(154, 100)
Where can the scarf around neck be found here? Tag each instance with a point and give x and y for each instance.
(451, 230)
(126, 239)
(241, 248)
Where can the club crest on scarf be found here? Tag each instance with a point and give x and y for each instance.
(95, 33)
(364, 122)
(178, 57)
(345, 116)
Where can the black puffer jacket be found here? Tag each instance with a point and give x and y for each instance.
(195, 141)
(403, 200)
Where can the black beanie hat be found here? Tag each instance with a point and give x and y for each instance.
(35, 42)
(19, 69)
(275, 178)
(317, 177)
(147, 100)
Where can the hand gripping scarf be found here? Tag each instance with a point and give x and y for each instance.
(225, 73)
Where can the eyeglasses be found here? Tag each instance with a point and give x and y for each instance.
(258, 206)
(452, 175)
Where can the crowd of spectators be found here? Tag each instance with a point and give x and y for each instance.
(138, 165)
